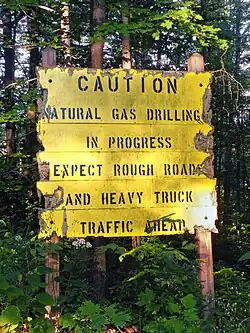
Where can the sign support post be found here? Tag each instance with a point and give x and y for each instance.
(203, 236)
(52, 259)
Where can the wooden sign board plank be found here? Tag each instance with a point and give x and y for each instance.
(120, 166)
(125, 222)
(110, 194)
(121, 137)
(125, 96)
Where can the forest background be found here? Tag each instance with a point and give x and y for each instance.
(154, 287)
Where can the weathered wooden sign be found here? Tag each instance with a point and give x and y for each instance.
(126, 152)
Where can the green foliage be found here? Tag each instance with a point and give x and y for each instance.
(172, 19)
(232, 301)
(91, 317)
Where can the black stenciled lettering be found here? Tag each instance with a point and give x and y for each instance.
(164, 226)
(169, 115)
(184, 170)
(132, 114)
(190, 196)
(71, 113)
(175, 169)
(78, 199)
(80, 113)
(92, 227)
(101, 228)
(128, 82)
(157, 85)
(143, 84)
(105, 198)
(197, 115)
(69, 200)
(65, 170)
(92, 142)
(157, 195)
(111, 141)
(182, 223)
(56, 171)
(63, 112)
(172, 85)
(81, 85)
(168, 142)
(115, 88)
(54, 114)
(83, 226)
(89, 114)
(98, 84)
(112, 198)
(121, 199)
(173, 226)
(189, 115)
(82, 170)
(109, 226)
(129, 225)
(176, 118)
(116, 226)
(152, 142)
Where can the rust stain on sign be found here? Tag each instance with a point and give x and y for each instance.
(125, 151)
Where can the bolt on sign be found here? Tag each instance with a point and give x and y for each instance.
(126, 152)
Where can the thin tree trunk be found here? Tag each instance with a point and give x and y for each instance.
(9, 63)
(65, 33)
(126, 50)
(30, 145)
(98, 17)
(98, 12)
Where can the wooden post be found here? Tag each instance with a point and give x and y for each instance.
(127, 64)
(52, 259)
(203, 236)
(203, 239)
(98, 17)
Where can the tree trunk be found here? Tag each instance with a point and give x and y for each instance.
(65, 33)
(126, 51)
(98, 12)
(9, 63)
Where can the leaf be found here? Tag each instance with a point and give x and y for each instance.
(13, 291)
(189, 247)
(121, 318)
(11, 315)
(45, 299)
(67, 321)
(89, 308)
(113, 247)
(43, 270)
(34, 280)
(245, 256)
(156, 35)
(4, 285)
(174, 308)
(167, 24)
(54, 248)
(188, 301)
(98, 322)
(146, 297)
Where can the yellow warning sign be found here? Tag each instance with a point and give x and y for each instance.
(126, 153)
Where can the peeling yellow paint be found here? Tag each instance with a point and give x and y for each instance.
(128, 222)
(127, 153)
